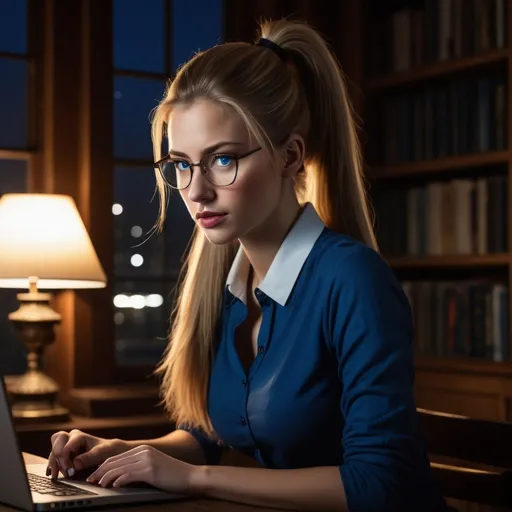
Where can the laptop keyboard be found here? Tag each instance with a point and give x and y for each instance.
(45, 485)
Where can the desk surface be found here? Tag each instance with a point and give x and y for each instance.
(199, 505)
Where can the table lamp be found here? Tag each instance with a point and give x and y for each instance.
(43, 245)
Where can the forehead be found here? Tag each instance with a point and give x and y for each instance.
(203, 123)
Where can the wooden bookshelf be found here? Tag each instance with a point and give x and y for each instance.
(439, 165)
(444, 74)
(456, 260)
(438, 69)
(466, 365)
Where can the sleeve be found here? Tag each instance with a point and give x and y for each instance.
(371, 332)
(212, 449)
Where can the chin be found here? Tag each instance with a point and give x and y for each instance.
(219, 237)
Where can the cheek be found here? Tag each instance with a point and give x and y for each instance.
(256, 184)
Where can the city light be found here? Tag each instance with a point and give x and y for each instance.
(137, 301)
(119, 318)
(117, 209)
(155, 300)
(136, 231)
(136, 260)
(122, 301)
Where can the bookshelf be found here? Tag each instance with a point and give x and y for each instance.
(433, 84)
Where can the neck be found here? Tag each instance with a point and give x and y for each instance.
(261, 245)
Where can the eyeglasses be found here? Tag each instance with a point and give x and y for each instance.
(220, 169)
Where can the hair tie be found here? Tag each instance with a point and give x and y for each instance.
(280, 52)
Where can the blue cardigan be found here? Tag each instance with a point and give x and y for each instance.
(332, 381)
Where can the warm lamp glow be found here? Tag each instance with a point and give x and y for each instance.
(43, 235)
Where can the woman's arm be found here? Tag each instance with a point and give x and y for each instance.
(316, 489)
(179, 444)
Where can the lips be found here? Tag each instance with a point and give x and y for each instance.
(204, 215)
(210, 221)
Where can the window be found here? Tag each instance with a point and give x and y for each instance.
(16, 148)
(151, 39)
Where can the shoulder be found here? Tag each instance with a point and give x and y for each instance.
(357, 277)
(344, 259)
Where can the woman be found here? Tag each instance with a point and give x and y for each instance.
(292, 340)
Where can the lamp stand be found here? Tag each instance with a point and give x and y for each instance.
(34, 395)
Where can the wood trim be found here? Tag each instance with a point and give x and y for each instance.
(438, 69)
(509, 130)
(451, 163)
(148, 75)
(455, 260)
(76, 159)
(16, 154)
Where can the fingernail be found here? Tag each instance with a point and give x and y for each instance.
(48, 471)
(71, 472)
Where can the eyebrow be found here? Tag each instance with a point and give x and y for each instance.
(209, 149)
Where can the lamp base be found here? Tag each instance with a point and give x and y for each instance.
(34, 398)
(33, 395)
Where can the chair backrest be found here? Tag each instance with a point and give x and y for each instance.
(483, 441)
(471, 458)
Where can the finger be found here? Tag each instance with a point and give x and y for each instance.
(93, 457)
(76, 444)
(129, 478)
(53, 467)
(59, 440)
(110, 464)
(113, 474)
(137, 449)
(68, 450)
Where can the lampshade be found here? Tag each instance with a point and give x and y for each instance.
(43, 235)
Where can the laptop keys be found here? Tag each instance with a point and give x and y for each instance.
(44, 485)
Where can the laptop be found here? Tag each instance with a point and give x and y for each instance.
(27, 487)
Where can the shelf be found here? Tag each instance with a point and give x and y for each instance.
(460, 364)
(451, 163)
(437, 69)
(455, 260)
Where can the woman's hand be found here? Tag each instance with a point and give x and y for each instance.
(74, 451)
(149, 465)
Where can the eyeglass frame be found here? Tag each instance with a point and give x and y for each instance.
(204, 172)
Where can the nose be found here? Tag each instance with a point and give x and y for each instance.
(200, 189)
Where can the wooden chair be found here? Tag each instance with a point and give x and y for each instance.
(471, 458)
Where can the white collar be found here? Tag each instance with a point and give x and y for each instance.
(287, 264)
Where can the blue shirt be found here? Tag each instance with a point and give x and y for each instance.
(332, 381)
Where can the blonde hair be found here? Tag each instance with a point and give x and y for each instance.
(274, 98)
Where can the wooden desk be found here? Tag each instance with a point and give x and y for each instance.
(199, 505)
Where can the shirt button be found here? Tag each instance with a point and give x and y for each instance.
(244, 383)
(243, 420)
(261, 349)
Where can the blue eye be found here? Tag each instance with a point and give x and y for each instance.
(224, 160)
(182, 165)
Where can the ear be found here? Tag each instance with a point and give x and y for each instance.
(294, 152)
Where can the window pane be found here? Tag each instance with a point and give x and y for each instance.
(134, 99)
(13, 26)
(13, 103)
(136, 210)
(205, 16)
(13, 178)
(139, 35)
(142, 312)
